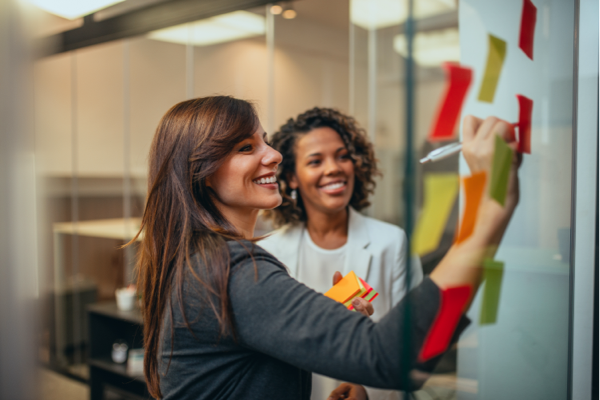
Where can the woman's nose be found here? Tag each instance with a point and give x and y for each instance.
(332, 167)
(271, 156)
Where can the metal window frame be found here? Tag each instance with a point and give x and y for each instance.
(583, 319)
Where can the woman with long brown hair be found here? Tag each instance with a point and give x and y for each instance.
(222, 317)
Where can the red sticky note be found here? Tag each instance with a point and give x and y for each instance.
(528, 18)
(524, 124)
(458, 80)
(473, 186)
(452, 306)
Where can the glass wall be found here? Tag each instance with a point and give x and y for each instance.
(525, 352)
(96, 110)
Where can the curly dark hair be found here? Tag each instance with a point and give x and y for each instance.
(356, 141)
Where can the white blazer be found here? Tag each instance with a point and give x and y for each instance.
(376, 252)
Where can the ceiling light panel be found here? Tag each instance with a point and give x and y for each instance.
(376, 14)
(72, 9)
(223, 28)
(432, 48)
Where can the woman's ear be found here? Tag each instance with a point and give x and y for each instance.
(292, 181)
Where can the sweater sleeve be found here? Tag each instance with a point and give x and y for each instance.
(276, 315)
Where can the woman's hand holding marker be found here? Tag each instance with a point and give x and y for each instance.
(462, 264)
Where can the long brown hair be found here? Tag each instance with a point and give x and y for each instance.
(191, 142)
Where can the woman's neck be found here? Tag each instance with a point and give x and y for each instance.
(327, 230)
(244, 220)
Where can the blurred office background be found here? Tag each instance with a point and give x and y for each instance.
(101, 78)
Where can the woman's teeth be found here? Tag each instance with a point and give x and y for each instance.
(333, 186)
(262, 181)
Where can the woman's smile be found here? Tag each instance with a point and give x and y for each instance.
(333, 188)
(268, 181)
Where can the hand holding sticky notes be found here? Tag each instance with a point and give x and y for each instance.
(349, 288)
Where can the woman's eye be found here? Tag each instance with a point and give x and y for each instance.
(314, 162)
(247, 147)
(345, 156)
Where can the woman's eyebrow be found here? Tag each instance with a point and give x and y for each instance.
(313, 155)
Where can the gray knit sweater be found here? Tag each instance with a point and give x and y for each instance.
(284, 330)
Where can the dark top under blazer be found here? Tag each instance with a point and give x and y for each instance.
(284, 330)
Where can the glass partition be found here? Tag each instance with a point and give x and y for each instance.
(525, 352)
(97, 108)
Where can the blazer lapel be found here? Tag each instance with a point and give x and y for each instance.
(358, 256)
(290, 248)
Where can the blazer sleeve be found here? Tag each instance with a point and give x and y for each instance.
(400, 267)
(276, 315)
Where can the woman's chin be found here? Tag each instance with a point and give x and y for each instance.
(271, 204)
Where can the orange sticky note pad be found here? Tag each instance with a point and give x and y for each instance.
(473, 186)
(345, 289)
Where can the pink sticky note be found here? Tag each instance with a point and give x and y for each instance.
(458, 80)
(528, 18)
(524, 124)
(452, 306)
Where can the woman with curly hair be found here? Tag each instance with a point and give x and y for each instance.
(326, 177)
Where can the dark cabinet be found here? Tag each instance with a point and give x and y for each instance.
(108, 324)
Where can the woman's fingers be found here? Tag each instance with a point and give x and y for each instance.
(486, 128)
(363, 306)
(470, 125)
(337, 276)
(340, 392)
(505, 130)
(349, 391)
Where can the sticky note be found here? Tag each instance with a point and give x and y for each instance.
(370, 294)
(367, 293)
(453, 302)
(440, 191)
(492, 274)
(458, 80)
(345, 289)
(503, 156)
(496, 54)
(473, 186)
(524, 124)
(528, 18)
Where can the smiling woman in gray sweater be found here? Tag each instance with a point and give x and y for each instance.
(222, 317)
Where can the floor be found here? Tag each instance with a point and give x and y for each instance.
(54, 386)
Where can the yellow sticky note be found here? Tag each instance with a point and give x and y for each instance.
(441, 190)
(496, 54)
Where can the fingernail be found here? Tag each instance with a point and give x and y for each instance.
(356, 302)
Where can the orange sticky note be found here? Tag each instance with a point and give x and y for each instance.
(452, 306)
(473, 186)
(345, 289)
